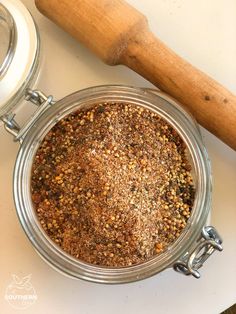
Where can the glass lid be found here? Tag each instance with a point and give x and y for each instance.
(8, 40)
(19, 52)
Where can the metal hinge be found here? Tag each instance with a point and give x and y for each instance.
(210, 242)
(37, 98)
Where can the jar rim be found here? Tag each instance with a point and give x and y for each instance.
(175, 115)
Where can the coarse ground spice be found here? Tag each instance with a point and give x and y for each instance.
(112, 184)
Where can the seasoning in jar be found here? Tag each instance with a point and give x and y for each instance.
(112, 184)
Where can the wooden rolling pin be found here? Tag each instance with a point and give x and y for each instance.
(119, 34)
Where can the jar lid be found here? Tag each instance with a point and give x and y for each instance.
(19, 52)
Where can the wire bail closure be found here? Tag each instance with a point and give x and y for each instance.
(191, 262)
(37, 98)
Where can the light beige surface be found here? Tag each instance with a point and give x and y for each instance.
(204, 32)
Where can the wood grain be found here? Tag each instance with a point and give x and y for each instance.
(231, 310)
(119, 34)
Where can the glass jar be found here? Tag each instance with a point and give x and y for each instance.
(197, 241)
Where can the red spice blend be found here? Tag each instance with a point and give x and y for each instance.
(112, 185)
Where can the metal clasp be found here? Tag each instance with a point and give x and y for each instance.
(37, 98)
(210, 242)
